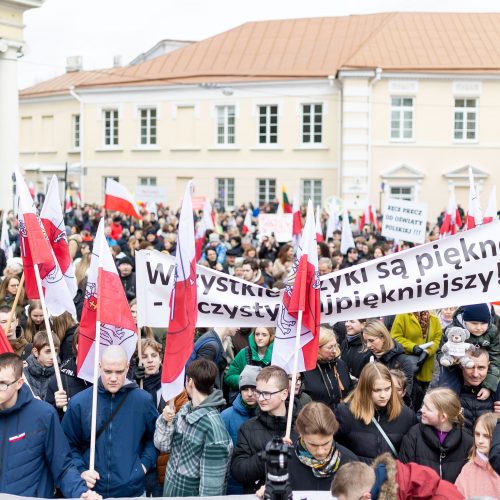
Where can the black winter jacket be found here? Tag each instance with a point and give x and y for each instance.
(396, 358)
(495, 449)
(365, 440)
(473, 408)
(247, 467)
(421, 445)
(353, 355)
(322, 384)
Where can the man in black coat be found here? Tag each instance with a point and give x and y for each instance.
(127, 276)
(473, 379)
(247, 466)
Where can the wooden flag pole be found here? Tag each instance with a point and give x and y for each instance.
(294, 376)
(14, 305)
(139, 351)
(48, 328)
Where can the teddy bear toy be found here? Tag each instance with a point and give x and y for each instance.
(455, 348)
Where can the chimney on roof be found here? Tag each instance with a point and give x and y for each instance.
(117, 61)
(74, 63)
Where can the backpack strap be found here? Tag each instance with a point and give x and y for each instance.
(110, 418)
(386, 437)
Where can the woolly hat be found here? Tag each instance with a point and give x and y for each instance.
(248, 376)
(477, 312)
(125, 260)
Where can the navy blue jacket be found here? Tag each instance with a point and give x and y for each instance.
(125, 444)
(34, 452)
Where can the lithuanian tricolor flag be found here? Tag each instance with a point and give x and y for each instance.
(287, 206)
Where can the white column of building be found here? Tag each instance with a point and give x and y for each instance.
(9, 119)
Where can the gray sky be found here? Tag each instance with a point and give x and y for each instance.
(100, 29)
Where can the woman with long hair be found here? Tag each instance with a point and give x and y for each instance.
(373, 420)
(8, 290)
(329, 382)
(64, 326)
(316, 456)
(283, 262)
(35, 320)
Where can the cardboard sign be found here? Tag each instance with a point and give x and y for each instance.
(404, 220)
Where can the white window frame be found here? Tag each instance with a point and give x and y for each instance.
(223, 134)
(317, 199)
(149, 136)
(147, 181)
(402, 196)
(226, 201)
(312, 124)
(114, 126)
(466, 112)
(268, 116)
(268, 196)
(76, 131)
(401, 111)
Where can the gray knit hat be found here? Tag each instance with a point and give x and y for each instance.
(248, 376)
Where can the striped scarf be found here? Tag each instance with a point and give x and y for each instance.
(320, 468)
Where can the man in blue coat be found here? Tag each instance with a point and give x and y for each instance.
(34, 452)
(124, 448)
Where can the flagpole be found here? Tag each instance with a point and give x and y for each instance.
(294, 376)
(97, 343)
(49, 330)
(14, 305)
(139, 352)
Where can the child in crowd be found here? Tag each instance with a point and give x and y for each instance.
(476, 318)
(400, 384)
(439, 440)
(478, 479)
(40, 364)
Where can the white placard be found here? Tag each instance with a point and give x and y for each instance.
(278, 224)
(456, 349)
(151, 194)
(404, 220)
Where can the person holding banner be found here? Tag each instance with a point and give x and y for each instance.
(373, 419)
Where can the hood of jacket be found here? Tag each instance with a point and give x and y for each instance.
(354, 339)
(37, 370)
(395, 351)
(243, 410)
(127, 386)
(255, 355)
(214, 401)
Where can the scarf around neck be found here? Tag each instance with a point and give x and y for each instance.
(320, 468)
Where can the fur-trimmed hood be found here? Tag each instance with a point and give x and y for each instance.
(386, 485)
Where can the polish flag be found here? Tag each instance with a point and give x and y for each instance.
(491, 211)
(4, 342)
(369, 217)
(474, 216)
(5, 240)
(333, 221)
(183, 305)
(104, 301)
(452, 221)
(207, 222)
(297, 221)
(346, 239)
(53, 222)
(319, 229)
(247, 223)
(301, 294)
(118, 198)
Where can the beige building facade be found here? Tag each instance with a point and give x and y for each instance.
(347, 123)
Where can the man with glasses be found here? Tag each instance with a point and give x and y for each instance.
(272, 393)
(34, 452)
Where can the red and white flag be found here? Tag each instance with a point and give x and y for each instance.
(53, 222)
(4, 342)
(319, 229)
(207, 222)
(474, 216)
(301, 294)
(491, 210)
(183, 304)
(369, 217)
(104, 301)
(333, 221)
(68, 205)
(36, 249)
(5, 240)
(247, 223)
(297, 220)
(451, 221)
(119, 198)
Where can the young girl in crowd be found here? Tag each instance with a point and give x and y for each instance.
(478, 479)
(373, 420)
(35, 321)
(400, 384)
(439, 440)
(353, 354)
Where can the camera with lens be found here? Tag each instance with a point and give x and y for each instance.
(276, 457)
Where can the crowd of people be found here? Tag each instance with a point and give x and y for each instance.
(381, 416)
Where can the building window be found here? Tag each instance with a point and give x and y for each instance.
(311, 189)
(465, 119)
(76, 131)
(224, 188)
(312, 123)
(266, 191)
(104, 180)
(268, 124)
(402, 114)
(147, 181)
(148, 126)
(402, 192)
(225, 124)
(110, 127)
